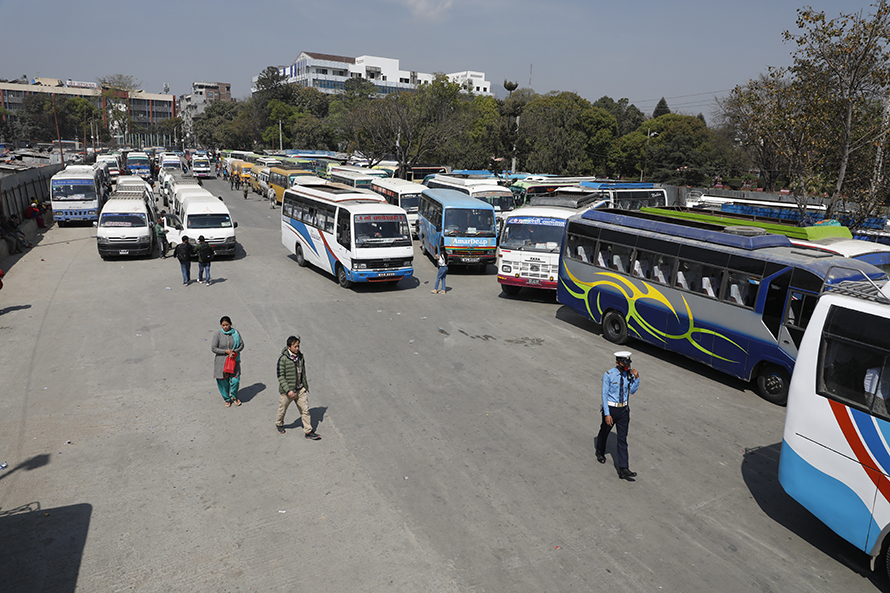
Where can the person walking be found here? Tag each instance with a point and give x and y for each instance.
(293, 385)
(161, 232)
(184, 252)
(619, 383)
(244, 189)
(442, 272)
(227, 343)
(205, 256)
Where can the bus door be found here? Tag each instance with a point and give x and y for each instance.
(774, 314)
(799, 306)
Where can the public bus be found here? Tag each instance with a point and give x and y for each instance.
(737, 303)
(352, 178)
(533, 186)
(486, 189)
(139, 164)
(465, 227)
(300, 163)
(378, 173)
(281, 178)
(875, 254)
(627, 196)
(528, 247)
(77, 193)
(356, 236)
(835, 458)
(401, 193)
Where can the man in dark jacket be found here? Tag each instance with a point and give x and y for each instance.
(293, 385)
(183, 252)
(205, 256)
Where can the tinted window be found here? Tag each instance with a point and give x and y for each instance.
(806, 280)
(775, 303)
(704, 256)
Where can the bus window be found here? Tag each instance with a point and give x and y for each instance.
(800, 309)
(344, 237)
(775, 303)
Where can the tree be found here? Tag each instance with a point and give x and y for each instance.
(628, 116)
(661, 109)
(118, 82)
(839, 65)
(271, 85)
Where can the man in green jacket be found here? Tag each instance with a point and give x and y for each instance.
(293, 385)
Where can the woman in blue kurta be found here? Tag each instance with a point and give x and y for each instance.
(227, 342)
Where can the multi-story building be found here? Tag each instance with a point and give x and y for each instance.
(192, 106)
(329, 73)
(144, 110)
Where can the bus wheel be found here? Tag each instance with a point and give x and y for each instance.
(301, 261)
(511, 290)
(341, 277)
(422, 245)
(614, 327)
(772, 384)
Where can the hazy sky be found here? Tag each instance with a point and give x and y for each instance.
(688, 51)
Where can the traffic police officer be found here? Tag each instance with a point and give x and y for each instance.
(619, 383)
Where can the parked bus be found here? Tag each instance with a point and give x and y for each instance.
(528, 247)
(401, 193)
(486, 189)
(875, 254)
(281, 178)
(357, 237)
(300, 163)
(351, 178)
(139, 164)
(465, 227)
(77, 193)
(627, 196)
(835, 457)
(377, 173)
(739, 304)
(535, 185)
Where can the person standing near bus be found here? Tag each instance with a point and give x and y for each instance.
(619, 383)
(293, 385)
(183, 252)
(442, 272)
(161, 232)
(205, 256)
(227, 343)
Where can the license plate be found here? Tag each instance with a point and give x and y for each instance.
(471, 260)
(124, 251)
(386, 274)
(533, 281)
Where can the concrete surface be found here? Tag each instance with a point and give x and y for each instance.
(457, 450)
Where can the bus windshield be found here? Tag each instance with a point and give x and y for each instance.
(382, 230)
(409, 202)
(82, 190)
(209, 221)
(132, 219)
(533, 234)
(501, 202)
(469, 223)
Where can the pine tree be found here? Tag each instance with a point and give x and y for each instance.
(661, 109)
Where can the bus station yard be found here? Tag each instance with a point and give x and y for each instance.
(457, 450)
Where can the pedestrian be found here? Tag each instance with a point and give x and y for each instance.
(293, 385)
(231, 182)
(161, 231)
(227, 343)
(205, 256)
(619, 383)
(245, 191)
(442, 272)
(183, 252)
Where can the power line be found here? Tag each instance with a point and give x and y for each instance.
(681, 96)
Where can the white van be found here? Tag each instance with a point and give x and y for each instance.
(202, 213)
(178, 193)
(126, 225)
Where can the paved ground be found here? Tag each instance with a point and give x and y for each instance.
(456, 454)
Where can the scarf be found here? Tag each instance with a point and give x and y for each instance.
(237, 338)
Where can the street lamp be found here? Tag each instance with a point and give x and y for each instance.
(646, 161)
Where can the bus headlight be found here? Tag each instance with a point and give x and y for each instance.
(359, 265)
(408, 263)
(506, 269)
(144, 239)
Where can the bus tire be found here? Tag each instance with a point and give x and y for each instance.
(301, 261)
(422, 245)
(510, 289)
(772, 384)
(614, 327)
(341, 277)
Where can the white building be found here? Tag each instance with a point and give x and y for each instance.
(329, 73)
(192, 106)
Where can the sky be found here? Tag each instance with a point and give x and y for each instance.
(688, 51)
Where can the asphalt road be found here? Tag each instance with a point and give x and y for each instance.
(457, 450)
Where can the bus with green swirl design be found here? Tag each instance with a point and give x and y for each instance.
(737, 300)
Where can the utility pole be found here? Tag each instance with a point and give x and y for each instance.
(58, 135)
(280, 138)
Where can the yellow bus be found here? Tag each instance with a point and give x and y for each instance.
(244, 172)
(280, 179)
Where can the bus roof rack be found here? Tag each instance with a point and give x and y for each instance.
(865, 289)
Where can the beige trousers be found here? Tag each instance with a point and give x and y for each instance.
(302, 399)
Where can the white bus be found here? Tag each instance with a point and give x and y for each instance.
(877, 254)
(381, 173)
(528, 249)
(356, 236)
(401, 193)
(352, 178)
(486, 189)
(77, 193)
(835, 454)
(202, 213)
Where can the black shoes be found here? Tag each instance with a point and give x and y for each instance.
(314, 437)
(280, 429)
(624, 473)
(600, 457)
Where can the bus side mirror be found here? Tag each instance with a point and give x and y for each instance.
(96, 223)
(235, 226)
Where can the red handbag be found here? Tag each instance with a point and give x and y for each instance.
(229, 367)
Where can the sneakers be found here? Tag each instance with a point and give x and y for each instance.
(312, 436)
(280, 429)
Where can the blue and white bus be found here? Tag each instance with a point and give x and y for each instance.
(737, 303)
(465, 227)
(356, 236)
(835, 455)
(77, 193)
